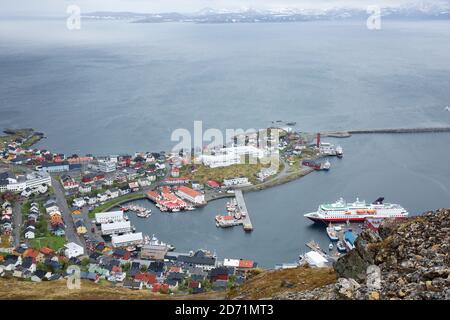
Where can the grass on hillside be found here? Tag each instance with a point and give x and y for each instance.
(269, 283)
(203, 173)
(53, 242)
(114, 202)
(52, 290)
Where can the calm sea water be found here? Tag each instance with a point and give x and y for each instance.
(115, 87)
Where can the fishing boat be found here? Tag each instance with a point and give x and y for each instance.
(341, 247)
(330, 246)
(349, 239)
(144, 214)
(154, 241)
(332, 233)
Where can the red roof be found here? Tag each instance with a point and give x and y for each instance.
(246, 264)
(146, 277)
(30, 253)
(46, 250)
(190, 192)
(213, 184)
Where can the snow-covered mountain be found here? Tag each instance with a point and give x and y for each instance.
(419, 10)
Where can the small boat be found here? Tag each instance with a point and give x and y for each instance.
(447, 108)
(332, 233)
(325, 166)
(339, 152)
(330, 246)
(143, 214)
(341, 247)
(349, 239)
(154, 241)
(189, 208)
(293, 123)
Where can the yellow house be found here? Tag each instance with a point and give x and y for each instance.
(81, 229)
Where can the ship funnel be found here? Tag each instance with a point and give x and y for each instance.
(379, 200)
(318, 140)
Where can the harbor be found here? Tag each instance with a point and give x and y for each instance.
(237, 214)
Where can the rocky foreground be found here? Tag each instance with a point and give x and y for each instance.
(404, 260)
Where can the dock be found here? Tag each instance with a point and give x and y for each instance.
(246, 222)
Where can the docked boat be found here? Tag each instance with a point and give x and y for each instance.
(317, 165)
(144, 214)
(357, 211)
(325, 166)
(332, 233)
(154, 241)
(341, 247)
(339, 152)
(349, 239)
(330, 246)
(189, 208)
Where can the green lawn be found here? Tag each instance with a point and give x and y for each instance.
(114, 202)
(53, 242)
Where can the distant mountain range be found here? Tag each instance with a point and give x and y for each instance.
(208, 15)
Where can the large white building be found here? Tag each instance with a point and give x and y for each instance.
(129, 239)
(116, 227)
(190, 195)
(31, 180)
(104, 166)
(238, 181)
(232, 155)
(73, 250)
(108, 217)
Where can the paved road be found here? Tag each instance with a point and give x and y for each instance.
(17, 223)
(71, 234)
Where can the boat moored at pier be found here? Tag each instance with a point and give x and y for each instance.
(357, 211)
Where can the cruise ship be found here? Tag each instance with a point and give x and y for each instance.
(357, 211)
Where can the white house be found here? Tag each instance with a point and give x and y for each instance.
(29, 235)
(79, 202)
(84, 188)
(92, 201)
(73, 250)
(101, 197)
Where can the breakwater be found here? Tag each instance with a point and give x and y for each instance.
(346, 134)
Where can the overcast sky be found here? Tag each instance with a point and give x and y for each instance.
(58, 7)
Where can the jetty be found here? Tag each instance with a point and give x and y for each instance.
(246, 222)
(349, 133)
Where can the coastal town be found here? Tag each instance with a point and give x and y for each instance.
(62, 210)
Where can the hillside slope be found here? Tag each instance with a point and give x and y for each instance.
(405, 260)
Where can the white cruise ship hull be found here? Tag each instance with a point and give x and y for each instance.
(356, 212)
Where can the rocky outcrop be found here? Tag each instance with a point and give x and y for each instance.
(404, 260)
